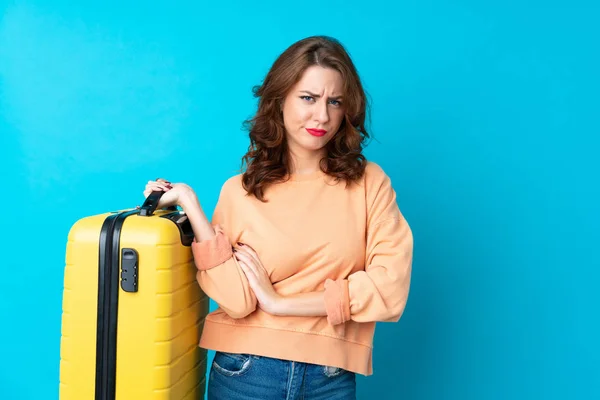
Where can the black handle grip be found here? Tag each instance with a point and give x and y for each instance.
(151, 203)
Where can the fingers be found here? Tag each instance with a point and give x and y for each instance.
(163, 185)
(249, 272)
(253, 270)
(248, 250)
(158, 185)
(242, 254)
(243, 257)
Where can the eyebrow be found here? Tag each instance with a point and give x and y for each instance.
(317, 96)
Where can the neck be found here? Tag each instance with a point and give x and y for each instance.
(305, 162)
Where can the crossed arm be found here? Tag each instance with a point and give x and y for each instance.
(378, 293)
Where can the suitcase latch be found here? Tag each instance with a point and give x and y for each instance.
(129, 270)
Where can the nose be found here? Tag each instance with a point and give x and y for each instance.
(322, 112)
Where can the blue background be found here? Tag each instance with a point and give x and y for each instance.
(485, 116)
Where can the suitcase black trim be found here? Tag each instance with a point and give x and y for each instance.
(108, 301)
(182, 222)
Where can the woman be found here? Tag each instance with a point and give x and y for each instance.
(307, 249)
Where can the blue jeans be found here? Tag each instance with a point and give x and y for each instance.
(249, 377)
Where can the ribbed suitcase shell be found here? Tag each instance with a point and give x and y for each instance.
(158, 327)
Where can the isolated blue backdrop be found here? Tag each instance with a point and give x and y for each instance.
(485, 116)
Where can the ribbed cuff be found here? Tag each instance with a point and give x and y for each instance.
(337, 301)
(212, 252)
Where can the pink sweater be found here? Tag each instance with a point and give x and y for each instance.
(311, 235)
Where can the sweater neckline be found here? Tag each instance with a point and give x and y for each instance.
(307, 177)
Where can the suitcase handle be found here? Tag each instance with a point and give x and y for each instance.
(151, 203)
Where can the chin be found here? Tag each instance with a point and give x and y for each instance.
(315, 143)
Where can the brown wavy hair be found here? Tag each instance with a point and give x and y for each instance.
(267, 160)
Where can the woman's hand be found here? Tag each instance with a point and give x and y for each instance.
(184, 196)
(259, 280)
(175, 193)
(307, 304)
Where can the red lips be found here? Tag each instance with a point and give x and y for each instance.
(316, 132)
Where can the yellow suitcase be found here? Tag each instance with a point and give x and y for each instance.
(132, 308)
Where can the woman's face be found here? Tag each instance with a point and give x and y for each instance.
(313, 110)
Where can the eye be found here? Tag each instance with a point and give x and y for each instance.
(336, 103)
(307, 98)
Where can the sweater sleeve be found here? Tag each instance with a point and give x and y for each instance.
(219, 274)
(380, 291)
